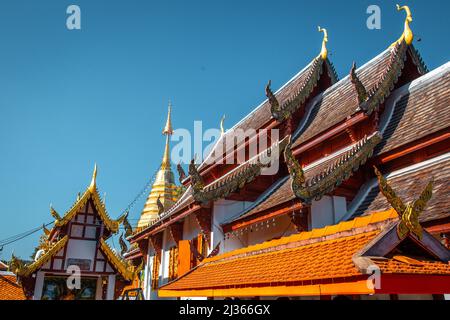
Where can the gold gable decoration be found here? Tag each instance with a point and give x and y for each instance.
(409, 214)
(126, 270)
(90, 193)
(22, 270)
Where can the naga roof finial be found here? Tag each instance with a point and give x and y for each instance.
(324, 52)
(92, 186)
(407, 35)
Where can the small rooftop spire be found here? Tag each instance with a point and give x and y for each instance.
(168, 131)
(168, 128)
(92, 186)
(324, 52)
(222, 127)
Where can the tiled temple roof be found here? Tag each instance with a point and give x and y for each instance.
(318, 257)
(340, 101)
(337, 167)
(289, 96)
(329, 174)
(241, 175)
(408, 183)
(419, 109)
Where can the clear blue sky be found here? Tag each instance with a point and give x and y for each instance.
(69, 99)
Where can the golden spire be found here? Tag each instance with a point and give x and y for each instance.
(168, 131)
(324, 52)
(407, 35)
(164, 187)
(92, 186)
(222, 127)
(166, 158)
(168, 128)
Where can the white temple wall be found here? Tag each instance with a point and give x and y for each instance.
(147, 273)
(327, 211)
(167, 244)
(223, 210)
(261, 232)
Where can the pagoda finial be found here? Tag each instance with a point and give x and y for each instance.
(407, 35)
(222, 127)
(324, 52)
(168, 131)
(168, 128)
(92, 186)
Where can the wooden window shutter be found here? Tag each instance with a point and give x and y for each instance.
(184, 257)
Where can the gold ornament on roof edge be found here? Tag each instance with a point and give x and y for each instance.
(408, 35)
(324, 52)
(409, 214)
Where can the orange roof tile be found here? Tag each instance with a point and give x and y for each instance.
(9, 289)
(329, 259)
(341, 227)
(426, 267)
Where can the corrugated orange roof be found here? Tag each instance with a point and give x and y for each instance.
(9, 289)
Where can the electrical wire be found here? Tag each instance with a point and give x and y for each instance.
(23, 235)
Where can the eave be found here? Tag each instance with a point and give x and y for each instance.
(354, 287)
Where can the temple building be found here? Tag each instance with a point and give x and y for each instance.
(73, 260)
(358, 207)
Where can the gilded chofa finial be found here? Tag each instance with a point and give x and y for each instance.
(168, 130)
(324, 52)
(92, 186)
(222, 127)
(407, 35)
